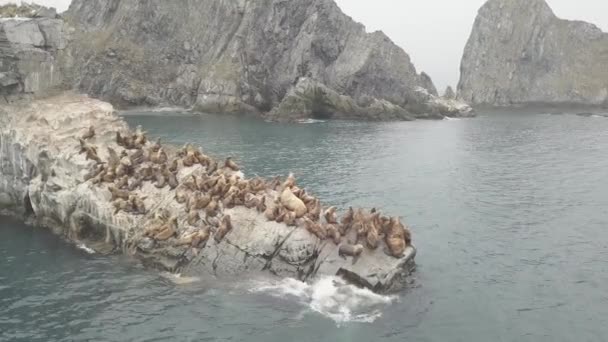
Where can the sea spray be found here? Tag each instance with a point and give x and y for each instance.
(331, 297)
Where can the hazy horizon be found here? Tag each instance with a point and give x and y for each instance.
(434, 32)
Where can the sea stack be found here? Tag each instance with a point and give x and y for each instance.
(520, 53)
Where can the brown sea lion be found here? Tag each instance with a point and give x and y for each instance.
(123, 205)
(314, 210)
(120, 140)
(330, 215)
(173, 183)
(225, 228)
(201, 237)
(181, 195)
(350, 250)
(212, 209)
(193, 217)
(122, 182)
(108, 177)
(157, 146)
(315, 228)
(174, 165)
(333, 233)
(251, 201)
(271, 213)
(118, 193)
(140, 137)
(135, 183)
(92, 155)
(89, 134)
(275, 184)
(372, 239)
(161, 181)
(291, 202)
(138, 205)
(231, 164)
(289, 182)
(289, 218)
(212, 167)
(261, 207)
(167, 231)
(395, 238)
(347, 221)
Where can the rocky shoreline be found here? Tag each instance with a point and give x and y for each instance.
(178, 210)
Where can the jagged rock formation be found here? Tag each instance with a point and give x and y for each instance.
(520, 53)
(45, 174)
(449, 93)
(241, 56)
(30, 53)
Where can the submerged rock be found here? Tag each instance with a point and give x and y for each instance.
(68, 161)
(519, 52)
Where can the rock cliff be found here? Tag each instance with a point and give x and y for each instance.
(241, 56)
(77, 189)
(519, 52)
(30, 54)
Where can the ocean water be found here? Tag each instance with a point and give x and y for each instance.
(509, 213)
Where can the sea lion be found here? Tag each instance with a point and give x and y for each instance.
(173, 183)
(181, 195)
(161, 182)
(92, 155)
(281, 212)
(395, 238)
(347, 221)
(315, 228)
(225, 228)
(350, 250)
(94, 172)
(119, 139)
(113, 159)
(108, 177)
(314, 210)
(201, 202)
(290, 218)
(123, 205)
(122, 182)
(212, 209)
(333, 233)
(201, 237)
(231, 164)
(271, 213)
(330, 215)
(122, 194)
(359, 224)
(138, 204)
(275, 184)
(140, 137)
(372, 239)
(298, 192)
(291, 202)
(261, 207)
(193, 217)
(290, 181)
(167, 231)
(157, 146)
(251, 201)
(212, 167)
(174, 165)
(135, 183)
(89, 134)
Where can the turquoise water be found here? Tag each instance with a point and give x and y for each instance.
(508, 212)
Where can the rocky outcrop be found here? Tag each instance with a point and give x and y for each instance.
(519, 52)
(240, 56)
(44, 175)
(449, 93)
(30, 53)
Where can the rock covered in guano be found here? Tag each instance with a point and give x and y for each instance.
(73, 165)
(519, 52)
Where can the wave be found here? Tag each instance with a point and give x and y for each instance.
(85, 248)
(447, 118)
(310, 121)
(178, 279)
(331, 297)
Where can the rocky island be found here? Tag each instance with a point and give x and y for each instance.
(69, 163)
(520, 53)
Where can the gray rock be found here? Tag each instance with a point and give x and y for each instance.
(449, 93)
(41, 165)
(519, 52)
(235, 56)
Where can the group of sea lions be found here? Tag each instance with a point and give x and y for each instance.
(205, 195)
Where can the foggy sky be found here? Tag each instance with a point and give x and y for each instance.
(434, 32)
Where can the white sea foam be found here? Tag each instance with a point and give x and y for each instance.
(85, 248)
(447, 118)
(331, 297)
(310, 121)
(178, 279)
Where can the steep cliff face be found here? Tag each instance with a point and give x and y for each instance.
(519, 52)
(234, 56)
(30, 53)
